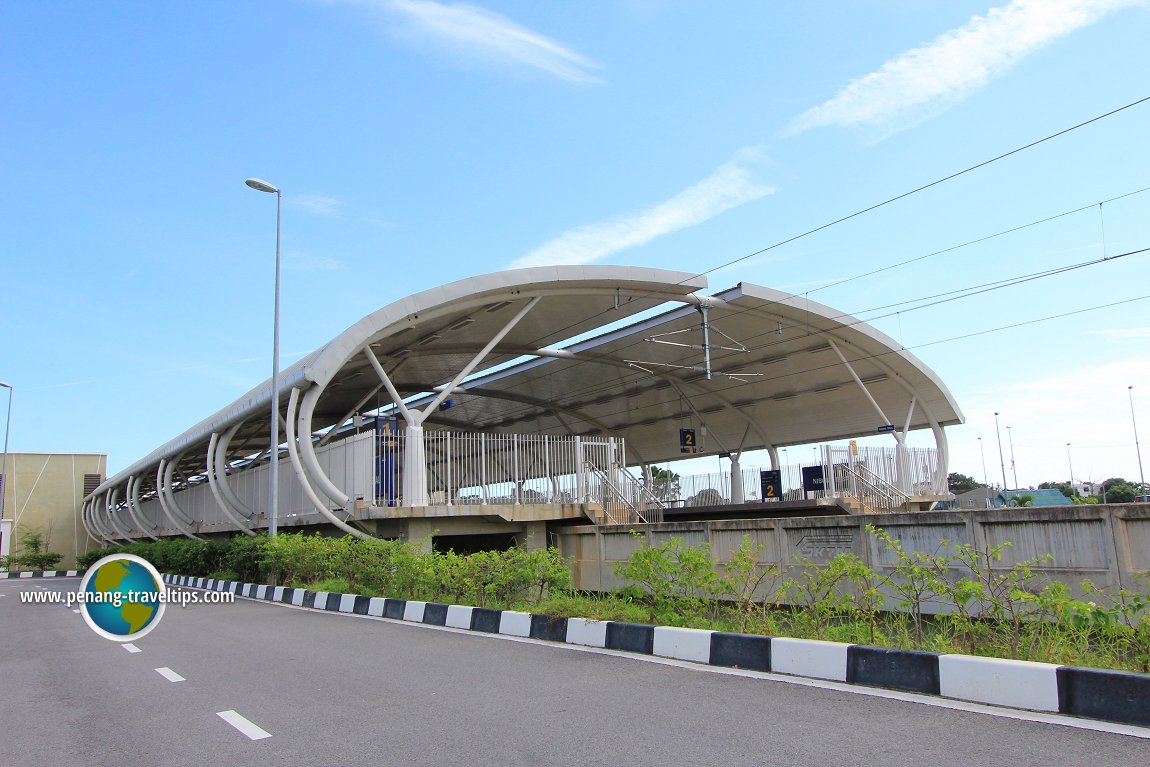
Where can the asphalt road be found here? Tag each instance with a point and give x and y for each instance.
(333, 689)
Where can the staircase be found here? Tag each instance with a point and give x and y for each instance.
(864, 492)
(616, 497)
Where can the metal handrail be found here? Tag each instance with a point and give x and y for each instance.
(888, 495)
(652, 502)
(633, 513)
(891, 490)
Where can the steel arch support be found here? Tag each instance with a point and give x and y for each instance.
(113, 496)
(132, 498)
(84, 520)
(240, 507)
(183, 520)
(301, 475)
(89, 527)
(209, 467)
(102, 533)
(309, 460)
(163, 479)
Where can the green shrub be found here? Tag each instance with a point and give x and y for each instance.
(33, 552)
(679, 580)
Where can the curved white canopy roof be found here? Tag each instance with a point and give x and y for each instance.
(582, 362)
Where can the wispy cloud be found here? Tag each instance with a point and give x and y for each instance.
(1087, 405)
(926, 80)
(304, 262)
(316, 204)
(475, 32)
(731, 185)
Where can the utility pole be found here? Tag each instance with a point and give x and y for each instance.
(1001, 457)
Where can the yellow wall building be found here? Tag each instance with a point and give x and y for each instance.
(45, 494)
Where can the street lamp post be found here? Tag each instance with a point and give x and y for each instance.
(1001, 458)
(1071, 462)
(985, 481)
(1137, 447)
(273, 497)
(1013, 467)
(4, 470)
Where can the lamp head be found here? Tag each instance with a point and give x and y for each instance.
(261, 186)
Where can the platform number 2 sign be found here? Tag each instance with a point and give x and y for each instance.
(770, 482)
(687, 441)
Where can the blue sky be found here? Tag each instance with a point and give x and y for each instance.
(419, 142)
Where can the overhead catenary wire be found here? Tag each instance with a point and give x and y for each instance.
(924, 187)
(916, 190)
(889, 352)
(909, 193)
(940, 298)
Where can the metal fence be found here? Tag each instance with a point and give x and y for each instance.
(883, 478)
(478, 468)
(348, 462)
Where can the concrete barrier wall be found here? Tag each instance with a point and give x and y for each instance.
(1107, 544)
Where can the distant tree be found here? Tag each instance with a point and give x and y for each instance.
(1022, 499)
(1062, 487)
(1118, 490)
(960, 483)
(664, 484)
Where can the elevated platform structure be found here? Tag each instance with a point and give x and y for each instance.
(532, 388)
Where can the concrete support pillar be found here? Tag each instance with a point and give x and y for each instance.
(736, 480)
(414, 468)
(420, 531)
(533, 536)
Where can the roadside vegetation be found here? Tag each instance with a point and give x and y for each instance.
(32, 552)
(957, 599)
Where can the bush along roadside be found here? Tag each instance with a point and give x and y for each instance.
(33, 554)
(369, 567)
(954, 600)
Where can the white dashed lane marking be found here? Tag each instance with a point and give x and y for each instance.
(130, 647)
(253, 731)
(170, 675)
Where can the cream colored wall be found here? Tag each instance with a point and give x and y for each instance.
(46, 492)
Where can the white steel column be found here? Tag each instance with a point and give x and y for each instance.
(736, 480)
(222, 475)
(301, 475)
(210, 470)
(113, 497)
(940, 486)
(580, 472)
(163, 477)
(309, 461)
(414, 487)
(899, 437)
(447, 494)
(829, 486)
(483, 465)
(89, 525)
(98, 503)
(132, 498)
(414, 454)
(169, 475)
(861, 385)
(773, 452)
